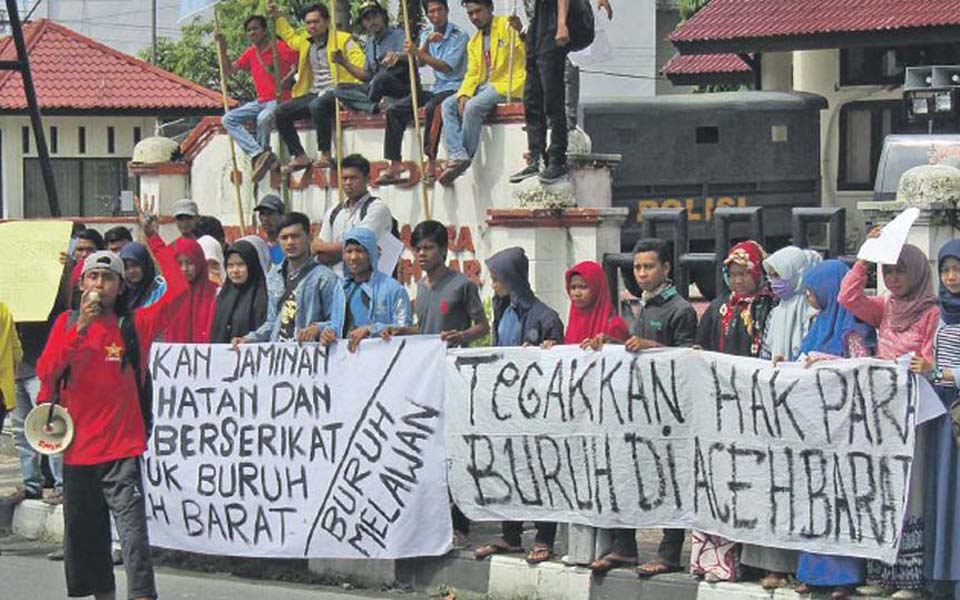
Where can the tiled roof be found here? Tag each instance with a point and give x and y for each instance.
(703, 64)
(751, 19)
(72, 72)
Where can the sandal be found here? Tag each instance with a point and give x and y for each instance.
(772, 581)
(496, 547)
(388, 178)
(294, 166)
(540, 553)
(803, 589)
(841, 593)
(610, 562)
(652, 569)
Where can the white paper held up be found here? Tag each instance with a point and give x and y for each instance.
(390, 250)
(885, 250)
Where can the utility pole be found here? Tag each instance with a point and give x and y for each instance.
(23, 66)
(153, 31)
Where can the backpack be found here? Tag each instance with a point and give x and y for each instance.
(394, 225)
(131, 357)
(580, 24)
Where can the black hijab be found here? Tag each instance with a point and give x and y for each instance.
(240, 309)
(137, 294)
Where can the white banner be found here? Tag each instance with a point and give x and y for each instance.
(286, 450)
(816, 459)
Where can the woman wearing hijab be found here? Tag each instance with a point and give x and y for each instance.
(144, 286)
(592, 323)
(192, 323)
(906, 321)
(591, 310)
(786, 327)
(241, 305)
(734, 323)
(835, 333)
(942, 498)
(790, 320)
(213, 253)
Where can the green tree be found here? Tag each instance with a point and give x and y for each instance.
(194, 55)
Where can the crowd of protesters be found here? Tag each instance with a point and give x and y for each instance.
(787, 306)
(118, 295)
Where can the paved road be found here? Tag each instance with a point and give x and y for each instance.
(26, 574)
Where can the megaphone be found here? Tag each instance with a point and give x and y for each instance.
(49, 433)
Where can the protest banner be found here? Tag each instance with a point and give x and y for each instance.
(816, 459)
(30, 266)
(290, 450)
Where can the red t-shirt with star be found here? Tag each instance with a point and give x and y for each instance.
(103, 400)
(263, 79)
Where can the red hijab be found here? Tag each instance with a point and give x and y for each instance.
(598, 318)
(192, 322)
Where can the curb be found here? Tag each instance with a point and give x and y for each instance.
(36, 520)
(500, 577)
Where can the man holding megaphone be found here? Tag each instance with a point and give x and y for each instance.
(92, 362)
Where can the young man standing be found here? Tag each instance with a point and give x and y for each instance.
(270, 211)
(373, 301)
(304, 298)
(258, 60)
(520, 319)
(543, 95)
(448, 304)
(665, 319)
(186, 212)
(484, 86)
(444, 49)
(359, 209)
(116, 238)
(102, 472)
(313, 94)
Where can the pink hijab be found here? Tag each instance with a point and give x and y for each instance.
(905, 311)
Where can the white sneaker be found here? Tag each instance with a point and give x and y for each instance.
(907, 595)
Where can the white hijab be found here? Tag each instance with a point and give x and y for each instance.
(789, 320)
(212, 250)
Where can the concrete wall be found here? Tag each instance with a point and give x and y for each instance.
(11, 149)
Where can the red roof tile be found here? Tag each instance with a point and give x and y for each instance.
(748, 19)
(703, 64)
(72, 72)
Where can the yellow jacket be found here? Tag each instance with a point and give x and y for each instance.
(499, 59)
(11, 354)
(301, 43)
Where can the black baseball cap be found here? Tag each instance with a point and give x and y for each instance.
(271, 202)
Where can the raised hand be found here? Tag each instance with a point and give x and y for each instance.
(146, 216)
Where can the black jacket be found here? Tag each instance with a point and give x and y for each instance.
(538, 321)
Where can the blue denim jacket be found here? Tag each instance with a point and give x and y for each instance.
(389, 302)
(319, 302)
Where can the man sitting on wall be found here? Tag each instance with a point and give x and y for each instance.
(444, 49)
(313, 94)
(485, 85)
(258, 60)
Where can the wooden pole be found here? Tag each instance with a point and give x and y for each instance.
(275, 44)
(513, 34)
(338, 125)
(226, 107)
(411, 63)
